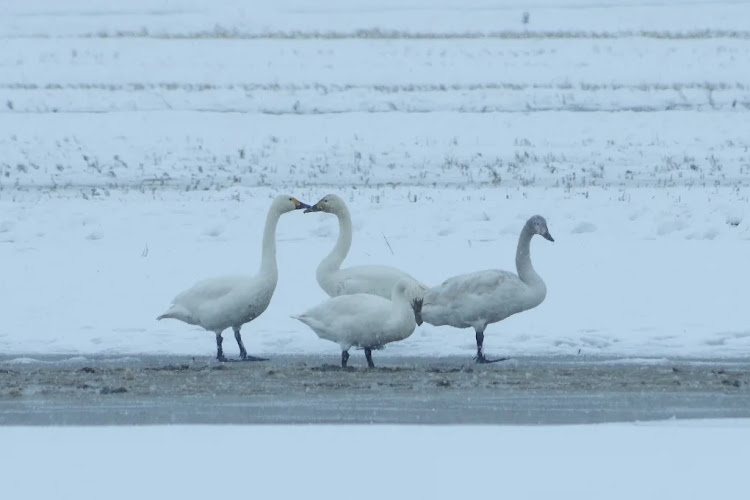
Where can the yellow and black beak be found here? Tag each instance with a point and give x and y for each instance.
(298, 205)
(314, 208)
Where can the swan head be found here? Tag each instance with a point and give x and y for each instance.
(538, 225)
(286, 203)
(330, 203)
(406, 292)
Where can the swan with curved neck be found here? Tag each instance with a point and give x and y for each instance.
(363, 320)
(484, 297)
(375, 280)
(219, 303)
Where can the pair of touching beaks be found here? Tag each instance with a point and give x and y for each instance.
(298, 205)
(313, 208)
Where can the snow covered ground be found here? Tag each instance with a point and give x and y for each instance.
(660, 273)
(141, 146)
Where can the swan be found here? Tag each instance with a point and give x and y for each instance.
(364, 320)
(484, 297)
(375, 280)
(218, 303)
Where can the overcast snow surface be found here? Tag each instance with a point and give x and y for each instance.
(142, 142)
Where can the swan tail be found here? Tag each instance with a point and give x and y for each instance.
(303, 318)
(177, 312)
(309, 321)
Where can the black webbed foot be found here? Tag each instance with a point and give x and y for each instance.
(247, 357)
(480, 358)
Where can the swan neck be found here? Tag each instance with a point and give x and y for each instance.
(268, 255)
(401, 309)
(344, 242)
(523, 258)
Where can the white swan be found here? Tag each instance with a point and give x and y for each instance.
(483, 297)
(218, 303)
(363, 320)
(375, 280)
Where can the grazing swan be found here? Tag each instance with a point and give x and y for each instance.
(364, 320)
(483, 297)
(218, 303)
(375, 280)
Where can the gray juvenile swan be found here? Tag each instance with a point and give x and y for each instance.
(484, 297)
(219, 303)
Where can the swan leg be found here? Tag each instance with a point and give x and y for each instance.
(368, 355)
(219, 350)
(238, 338)
(344, 358)
(243, 352)
(480, 354)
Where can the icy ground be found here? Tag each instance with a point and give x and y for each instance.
(311, 389)
(604, 461)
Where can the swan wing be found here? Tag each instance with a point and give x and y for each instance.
(474, 298)
(218, 303)
(236, 308)
(349, 309)
(475, 285)
(374, 280)
(210, 289)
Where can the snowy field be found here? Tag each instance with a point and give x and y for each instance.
(141, 143)
(141, 146)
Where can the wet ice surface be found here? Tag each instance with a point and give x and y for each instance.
(312, 389)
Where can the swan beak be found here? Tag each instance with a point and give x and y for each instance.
(314, 208)
(298, 204)
(548, 236)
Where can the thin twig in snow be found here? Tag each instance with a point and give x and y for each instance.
(389, 245)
